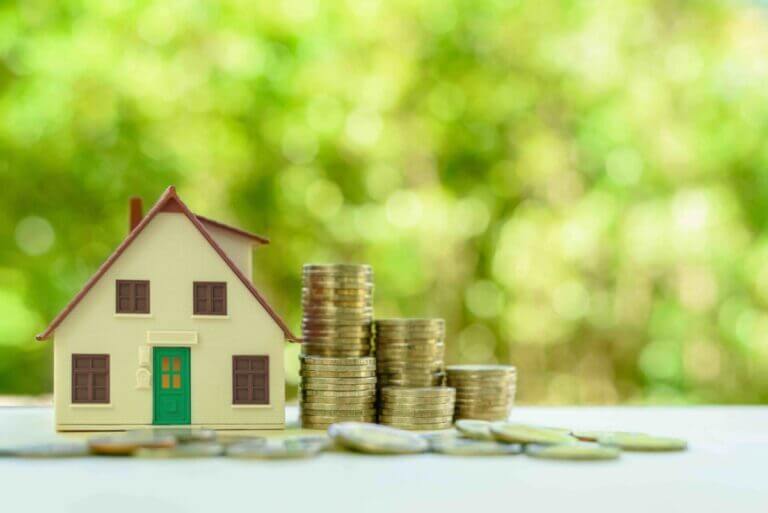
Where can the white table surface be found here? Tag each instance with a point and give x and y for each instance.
(725, 470)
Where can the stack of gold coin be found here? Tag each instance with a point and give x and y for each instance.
(337, 390)
(417, 408)
(337, 303)
(484, 392)
(409, 352)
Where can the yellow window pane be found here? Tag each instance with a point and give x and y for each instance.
(165, 363)
(165, 381)
(176, 381)
(176, 363)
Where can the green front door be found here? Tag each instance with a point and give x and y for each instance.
(170, 384)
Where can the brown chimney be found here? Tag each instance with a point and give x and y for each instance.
(136, 212)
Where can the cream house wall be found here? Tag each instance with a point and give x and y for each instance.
(171, 254)
(238, 248)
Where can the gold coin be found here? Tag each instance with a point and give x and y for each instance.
(573, 451)
(642, 442)
(333, 369)
(337, 387)
(312, 360)
(456, 446)
(416, 420)
(339, 381)
(334, 353)
(416, 412)
(315, 395)
(127, 443)
(415, 402)
(411, 321)
(525, 434)
(419, 427)
(411, 345)
(373, 439)
(336, 374)
(336, 417)
(368, 405)
(419, 391)
(481, 416)
(475, 429)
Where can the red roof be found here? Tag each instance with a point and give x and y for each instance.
(237, 231)
(170, 202)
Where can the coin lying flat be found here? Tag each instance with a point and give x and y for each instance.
(183, 451)
(523, 434)
(374, 439)
(183, 435)
(640, 442)
(129, 442)
(592, 435)
(475, 429)
(573, 451)
(467, 447)
(50, 450)
(286, 448)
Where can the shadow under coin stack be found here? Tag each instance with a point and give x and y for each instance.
(411, 374)
(483, 392)
(338, 375)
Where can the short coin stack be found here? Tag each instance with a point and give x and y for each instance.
(483, 392)
(337, 303)
(417, 408)
(409, 352)
(336, 390)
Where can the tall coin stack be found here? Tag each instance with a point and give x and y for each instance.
(483, 392)
(338, 377)
(417, 408)
(337, 305)
(409, 352)
(336, 390)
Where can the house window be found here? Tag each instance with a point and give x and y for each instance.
(132, 296)
(210, 298)
(250, 380)
(90, 378)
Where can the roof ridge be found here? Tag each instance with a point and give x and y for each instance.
(233, 229)
(168, 195)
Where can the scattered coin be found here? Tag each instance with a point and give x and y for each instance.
(183, 451)
(129, 442)
(573, 451)
(592, 436)
(286, 448)
(374, 439)
(50, 450)
(183, 435)
(523, 434)
(457, 446)
(475, 429)
(641, 442)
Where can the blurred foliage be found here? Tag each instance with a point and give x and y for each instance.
(579, 187)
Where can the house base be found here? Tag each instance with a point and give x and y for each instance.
(124, 427)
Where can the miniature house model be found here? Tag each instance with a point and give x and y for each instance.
(171, 331)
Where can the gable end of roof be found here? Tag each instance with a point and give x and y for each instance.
(168, 202)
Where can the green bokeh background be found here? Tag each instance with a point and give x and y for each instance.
(579, 188)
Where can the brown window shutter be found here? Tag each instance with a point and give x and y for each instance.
(132, 296)
(90, 378)
(209, 298)
(250, 379)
